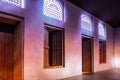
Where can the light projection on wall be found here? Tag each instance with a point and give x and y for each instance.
(117, 62)
(53, 9)
(86, 25)
(101, 30)
(19, 3)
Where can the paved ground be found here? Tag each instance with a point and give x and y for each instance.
(113, 74)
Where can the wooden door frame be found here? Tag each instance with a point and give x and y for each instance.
(21, 20)
(92, 52)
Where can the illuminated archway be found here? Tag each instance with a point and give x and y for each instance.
(101, 29)
(86, 23)
(53, 9)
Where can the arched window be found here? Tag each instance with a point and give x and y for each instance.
(101, 29)
(102, 43)
(53, 9)
(86, 23)
(19, 3)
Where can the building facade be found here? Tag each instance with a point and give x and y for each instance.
(56, 35)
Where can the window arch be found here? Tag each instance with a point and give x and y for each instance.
(53, 9)
(101, 29)
(19, 3)
(86, 23)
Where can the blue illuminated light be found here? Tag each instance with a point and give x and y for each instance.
(86, 25)
(19, 3)
(101, 30)
(53, 9)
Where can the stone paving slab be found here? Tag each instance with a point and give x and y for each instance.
(113, 74)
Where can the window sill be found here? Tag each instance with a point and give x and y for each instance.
(103, 63)
(53, 67)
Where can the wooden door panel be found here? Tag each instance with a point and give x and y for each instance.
(46, 48)
(11, 51)
(2, 38)
(9, 55)
(86, 55)
(6, 56)
(18, 57)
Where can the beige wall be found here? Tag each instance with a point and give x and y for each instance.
(34, 45)
(117, 47)
(109, 49)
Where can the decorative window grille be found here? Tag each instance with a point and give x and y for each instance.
(19, 3)
(86, 23)
(101, 29)
(53, 9)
